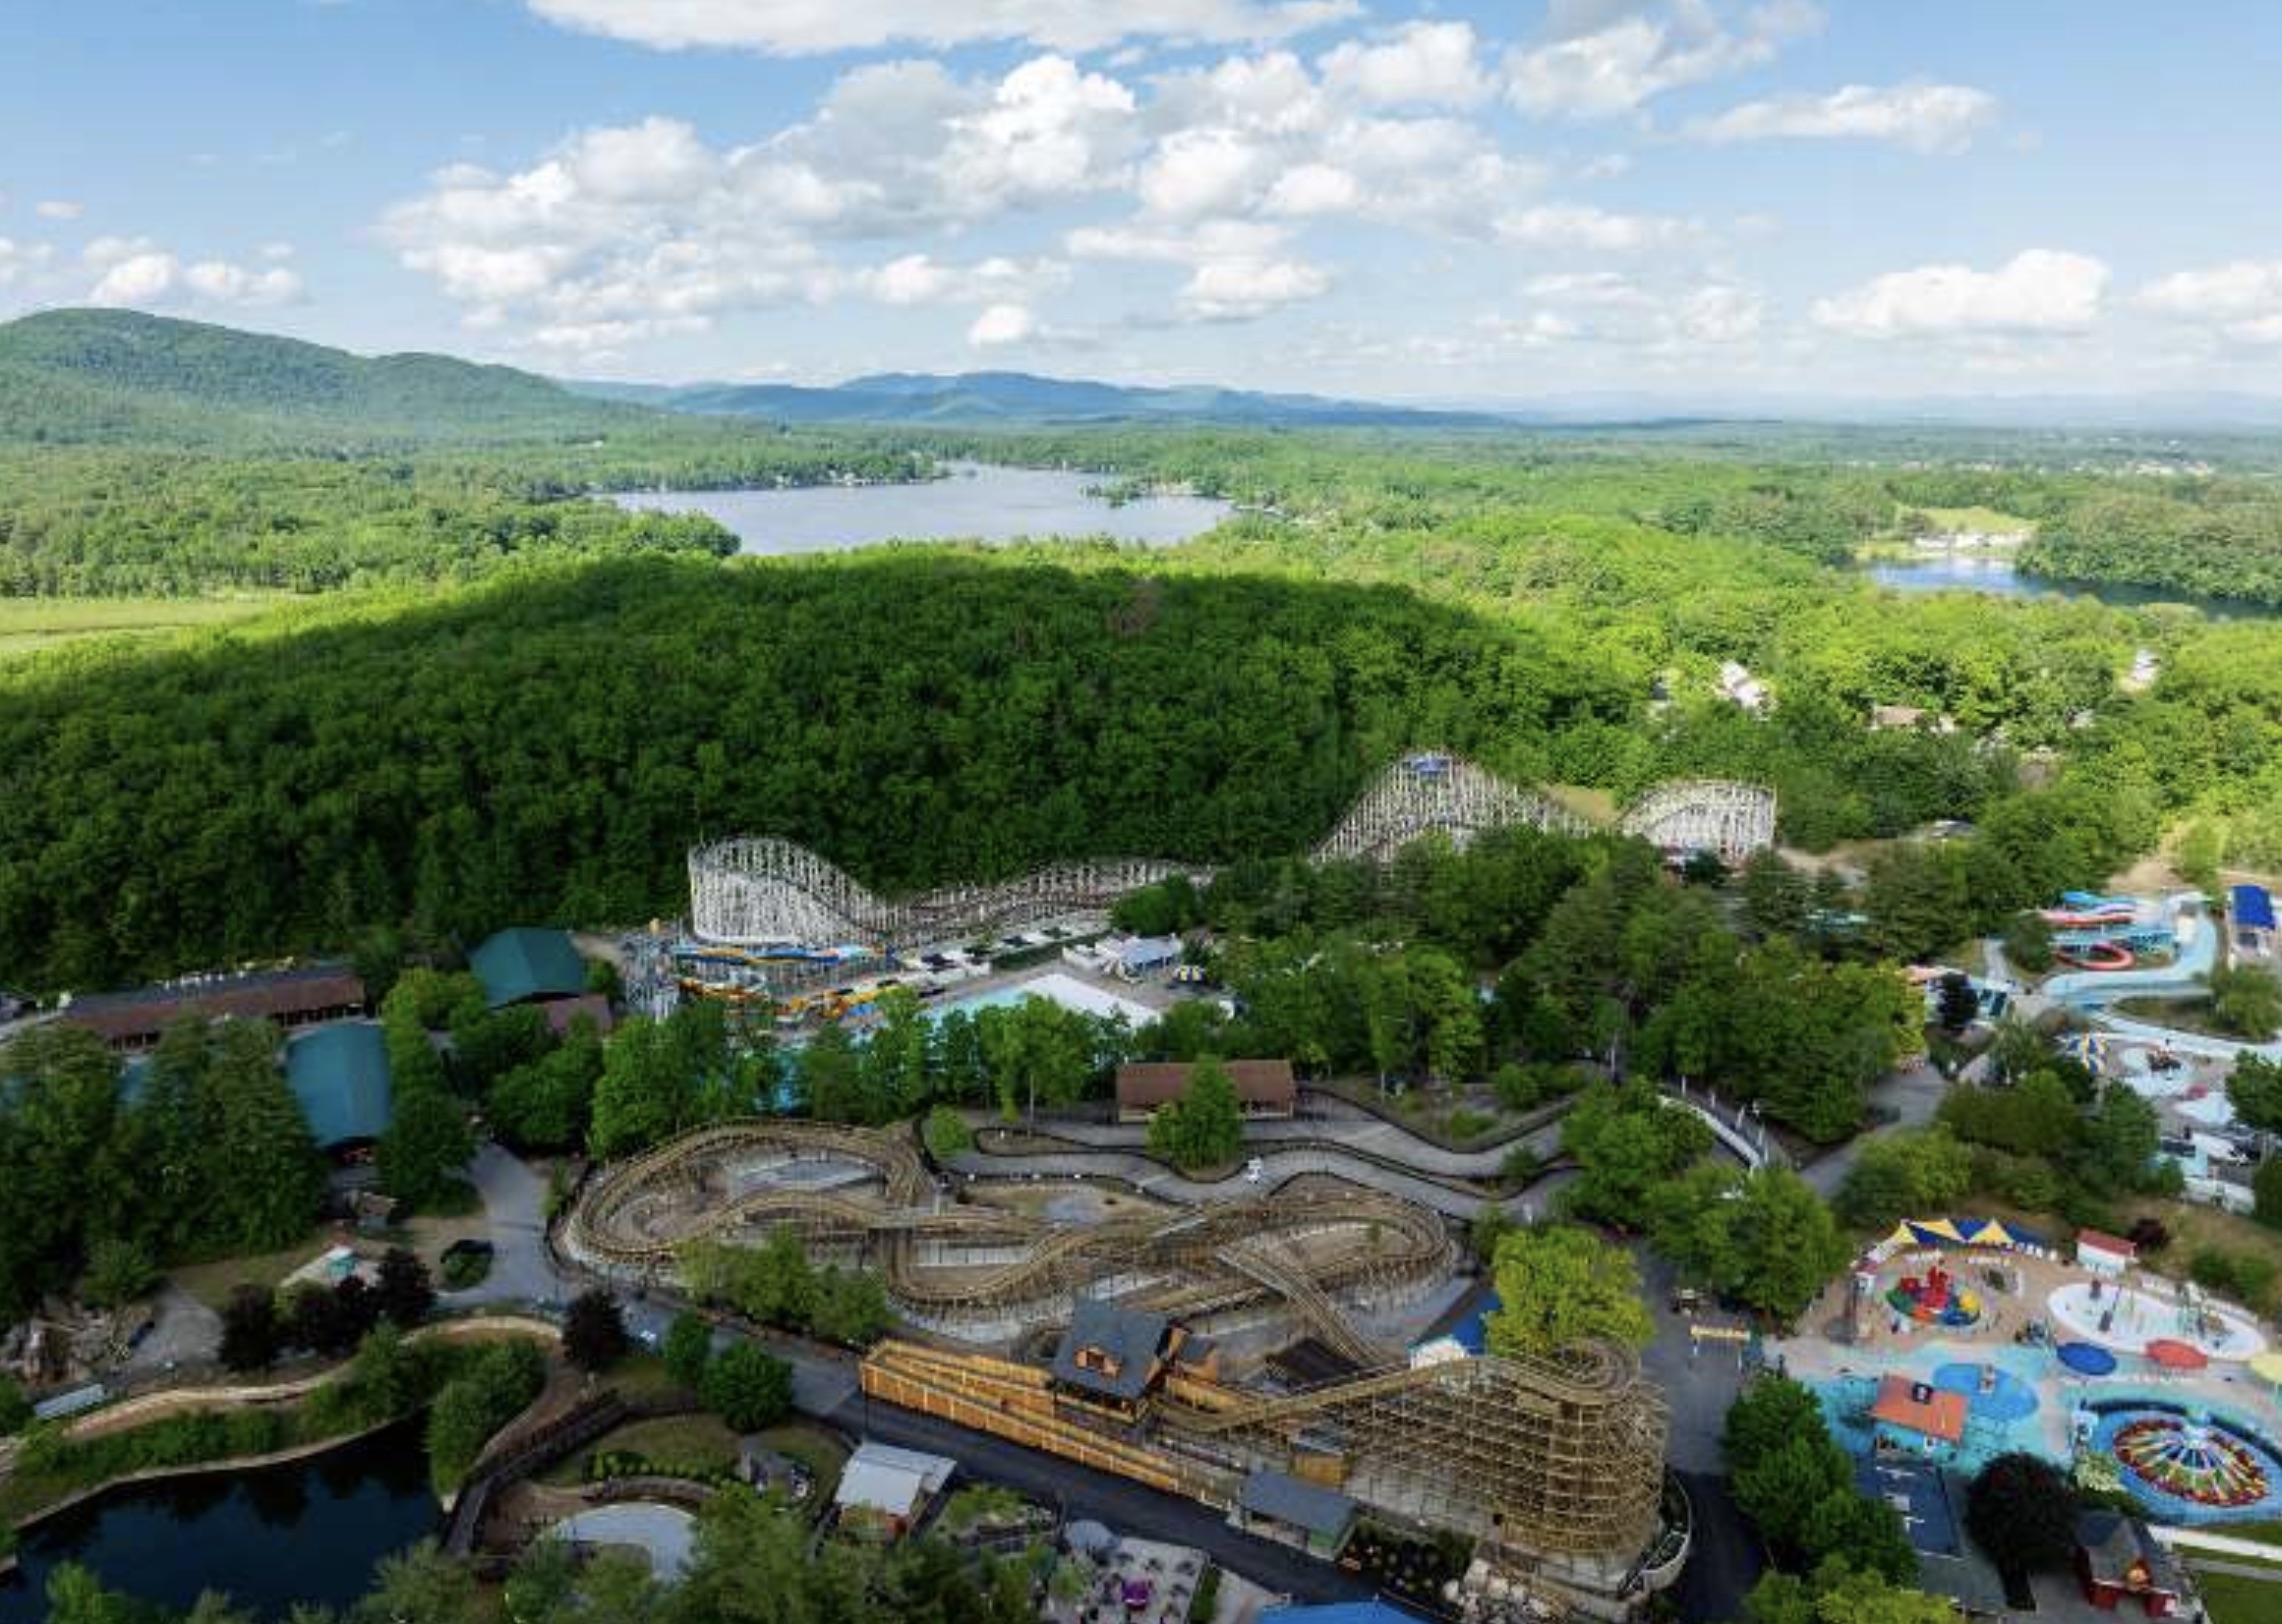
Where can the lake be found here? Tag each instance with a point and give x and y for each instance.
(1995, 574)
(975, 501)
(306, 1531)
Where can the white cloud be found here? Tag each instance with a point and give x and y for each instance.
(56, 208)
(1664, 319)
(2041, 290)
(1238, 269)
(920, 279)
(139, 279)
(1922, 117)
(1243, 289)
(801, 27)
(1202, 172)
(1314, 189)
(1000, 325)
(1050, 131)
(138, 275)
(1582, 226)
(1602, 60)
(19, 260)
(2241, 299)
(1421, 64)
(220, 282)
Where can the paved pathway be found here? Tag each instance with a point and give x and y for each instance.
(1913, 1096)
(515, 1210)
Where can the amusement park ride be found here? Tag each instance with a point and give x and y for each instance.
(769, 918)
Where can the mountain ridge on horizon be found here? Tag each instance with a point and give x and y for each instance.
(119, 376)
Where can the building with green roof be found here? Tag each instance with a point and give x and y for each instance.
(340, 1076)
(525, 964)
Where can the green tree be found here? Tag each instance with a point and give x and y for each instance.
(421, 1586)
(2021, 1510)
(428, 1141)
(850, 1308)
(15, 1408)
(594, 1330)
(1897, 1175)
(1204, 1127)
(2254, 1089)
(2266, 1192)
(1560, 1285)
(1956, 1003)
(2246, 1001)
(249, 1330)
(748, 1387)
(946, 1133)
(2028, 942)
(497, 1384)
(118, 1272)
(688, 1348)
(1628, 1143)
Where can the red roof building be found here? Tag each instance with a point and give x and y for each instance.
(1919, 1408)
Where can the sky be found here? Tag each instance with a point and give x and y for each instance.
(1459, 202)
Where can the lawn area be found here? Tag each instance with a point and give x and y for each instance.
(695, 1441)
(1951, 521)
(2193, 1227)
(28, 625)
(211, 1283)
(2233, 1598)
(2187, 1014)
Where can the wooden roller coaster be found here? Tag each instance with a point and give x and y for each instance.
(963, 1268)
(1555, 1466)
(755, 892)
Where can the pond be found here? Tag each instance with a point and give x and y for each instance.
(974, 501)
(307, 1531)
(1996, 574)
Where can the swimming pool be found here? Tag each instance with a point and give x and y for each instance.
(1067, 991)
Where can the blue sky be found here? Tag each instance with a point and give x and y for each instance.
(1687, 198)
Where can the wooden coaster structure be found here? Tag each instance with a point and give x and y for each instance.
(764, 891)
(1555, 1467)
(962, 1268)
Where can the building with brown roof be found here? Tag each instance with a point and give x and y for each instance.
(1264, 1088)
(1918, 1417)
(135, 1020)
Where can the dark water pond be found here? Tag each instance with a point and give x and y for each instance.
(307, 1531)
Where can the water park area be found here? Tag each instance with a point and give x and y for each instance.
(1955, 1340)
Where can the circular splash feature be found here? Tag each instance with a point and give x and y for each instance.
(2193, 1460)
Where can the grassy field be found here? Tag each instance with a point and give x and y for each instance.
(699, 1441)
(2233, 1598)
(28, 625)
(2194, 1226)
(1951, 521)
(212, 1283)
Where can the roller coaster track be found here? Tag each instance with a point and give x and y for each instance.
(761, 891)
(1435, 793)
(1715, 815)
(715, 1185)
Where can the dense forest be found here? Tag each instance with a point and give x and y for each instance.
(595, 690)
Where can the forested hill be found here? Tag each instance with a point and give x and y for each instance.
(122, 377)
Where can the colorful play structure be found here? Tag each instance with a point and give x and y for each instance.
(2082, 910)
(2192, 1458)
(1935, 1298)
(2105, 933)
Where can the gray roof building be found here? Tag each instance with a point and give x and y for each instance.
(1112, 1352)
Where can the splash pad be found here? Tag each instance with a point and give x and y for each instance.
(2190, 1465)
(1935, 1299)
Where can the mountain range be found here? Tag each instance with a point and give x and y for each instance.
(1023, 398)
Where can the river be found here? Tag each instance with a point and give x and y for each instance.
(1995, 574)
(307, 1531)
(976, 501)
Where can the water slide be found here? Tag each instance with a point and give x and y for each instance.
(2092, 990)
